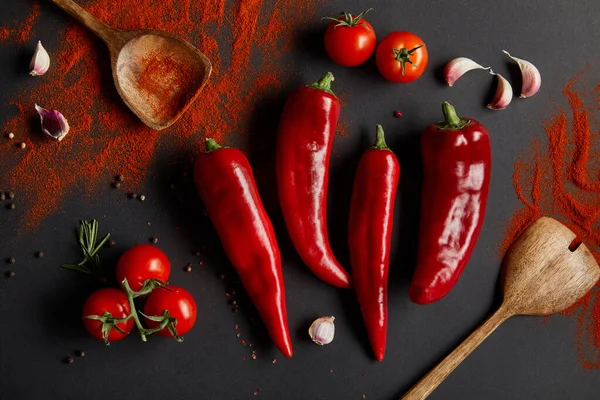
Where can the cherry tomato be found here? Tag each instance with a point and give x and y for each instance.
(180, 304)
(401, 57)
(349, 40)
(110, 300)
(143, 262)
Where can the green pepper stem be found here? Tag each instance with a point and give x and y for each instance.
(451, 118)
(212, 145)
(380, 139)
(324, 83)
(450, 115)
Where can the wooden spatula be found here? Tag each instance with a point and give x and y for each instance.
(541, 276)
(165, 96)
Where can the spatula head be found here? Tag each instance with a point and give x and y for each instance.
(541, 275)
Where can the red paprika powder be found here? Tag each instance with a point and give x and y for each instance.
(561, 178)
(245, 41)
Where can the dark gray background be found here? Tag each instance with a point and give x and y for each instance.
(524, 359)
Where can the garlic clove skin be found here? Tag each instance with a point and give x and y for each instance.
(322, 330)
(503, 95)
(532, 79)
(40, 62)
(54, 124)
(458, 67)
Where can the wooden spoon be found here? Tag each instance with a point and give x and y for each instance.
(157, 74)
(541, 276)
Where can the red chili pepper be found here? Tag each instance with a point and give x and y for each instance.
(457, 162)
(304, 144)
(226, 185)
(370, 233)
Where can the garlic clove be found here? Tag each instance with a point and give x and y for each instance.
(458, 67)
(54, 124)
(40, 62)
(503, 95)
(322, 330)
(532, 80)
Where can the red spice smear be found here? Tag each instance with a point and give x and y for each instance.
(4, 34)
(25, 29)
(561, 178)
(21, 31)
(246, 42)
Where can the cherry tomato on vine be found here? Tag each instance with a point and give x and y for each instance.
(401, 57)
(180, 306)
(349, 40)
(143, 262)
(104, 306)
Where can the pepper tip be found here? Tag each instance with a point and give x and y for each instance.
(422, 295)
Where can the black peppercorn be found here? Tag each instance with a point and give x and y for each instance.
(2, 197)
(132, 195)
(120, 178)
(10, 274)
(154, 240)
(110, 243)
(81, 353)
(11, 260)
(39, 254)
(68, 360)
(11, 206)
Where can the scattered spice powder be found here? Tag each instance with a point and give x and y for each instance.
(562, 180)
(246, 42)
(24, 31)
(21, 31)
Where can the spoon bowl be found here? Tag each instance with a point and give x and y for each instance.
(157, 75)
(541, 276)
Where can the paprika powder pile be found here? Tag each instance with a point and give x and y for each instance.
(561, 178)
(106, 138)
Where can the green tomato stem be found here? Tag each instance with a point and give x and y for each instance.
(133, 313)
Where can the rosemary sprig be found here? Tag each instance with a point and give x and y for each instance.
(88, 235)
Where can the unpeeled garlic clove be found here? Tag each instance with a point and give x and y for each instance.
(40, 62)
(322, 330)
(54, 124)
(503, 95)
(532, 80)
(458, 67)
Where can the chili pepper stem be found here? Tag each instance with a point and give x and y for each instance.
(380, 139)
(324, 83)
(451, 118)
(212, 145)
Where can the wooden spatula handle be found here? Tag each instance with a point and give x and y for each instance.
(432, 380)
(102, 30)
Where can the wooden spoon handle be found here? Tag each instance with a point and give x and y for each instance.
(432, 380)
(102, 30)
